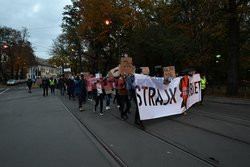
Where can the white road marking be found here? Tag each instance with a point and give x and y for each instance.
(4, 91)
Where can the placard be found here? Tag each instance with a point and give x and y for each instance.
(169, 72)
(145, 70)
(115, 72)
(126, 66)
(86, 74)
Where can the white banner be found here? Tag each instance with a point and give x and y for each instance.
(156, 99)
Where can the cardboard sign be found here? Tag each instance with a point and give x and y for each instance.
(115, 72)
(126, 66)
(98, 75)
(169, 72)
(86, 74)
(145, 70)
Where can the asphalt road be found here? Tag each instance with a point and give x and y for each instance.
(37, 131)
(50, 131)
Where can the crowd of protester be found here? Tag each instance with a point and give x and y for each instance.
(99, 89)
(102, 90)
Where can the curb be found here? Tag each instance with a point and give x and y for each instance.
(223, 100)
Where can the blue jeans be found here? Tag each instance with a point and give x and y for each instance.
(108, 97)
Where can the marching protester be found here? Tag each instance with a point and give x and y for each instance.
(203, 86)
(71, 88)
(61, 85)
(89, 88)
(29, 84)
(116, 97)
(130, 82)
(108, 92)
(52, 85)
(123, 94)
(80, 90)
(45, 86)
(98, 93)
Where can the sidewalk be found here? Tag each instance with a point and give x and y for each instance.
(226, 100)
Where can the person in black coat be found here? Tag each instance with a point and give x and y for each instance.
(61, 85)
(71, 88)
(82, 92)
(29, 84)
(45, 86)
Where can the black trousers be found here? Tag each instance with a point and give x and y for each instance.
(202, 94)
(97, 100)
(81, 100)
(29, 89)
(117, 99)
(124, 100)
(45, 91)
(137, 116)
(52, 89)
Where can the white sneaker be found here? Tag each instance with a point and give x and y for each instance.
(107, 108)
(118, 106)
(101, 114)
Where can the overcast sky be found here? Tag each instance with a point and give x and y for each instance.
(42, 18)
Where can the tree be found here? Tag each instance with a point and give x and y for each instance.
(19, 51)
(59, 51)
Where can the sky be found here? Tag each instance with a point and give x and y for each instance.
(42, 18)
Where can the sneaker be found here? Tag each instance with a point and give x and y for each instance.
(81, 109)
(107, 108)
(118, 106)
(101, 113)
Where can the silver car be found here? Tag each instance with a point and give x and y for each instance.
(11, 82)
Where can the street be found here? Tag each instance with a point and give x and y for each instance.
(50, 131)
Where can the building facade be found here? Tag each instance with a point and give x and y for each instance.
(43, 69)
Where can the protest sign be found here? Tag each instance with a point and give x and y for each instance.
(145, 70)
(98, 75)
(126, 66)
(156, 99)
(169, 72)
(115, 72)
(86, 74)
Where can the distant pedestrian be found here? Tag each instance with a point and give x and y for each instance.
(203, 87)
(29, 84)
(52, 85)
(45, 86)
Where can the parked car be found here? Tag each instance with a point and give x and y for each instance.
(11, 82)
